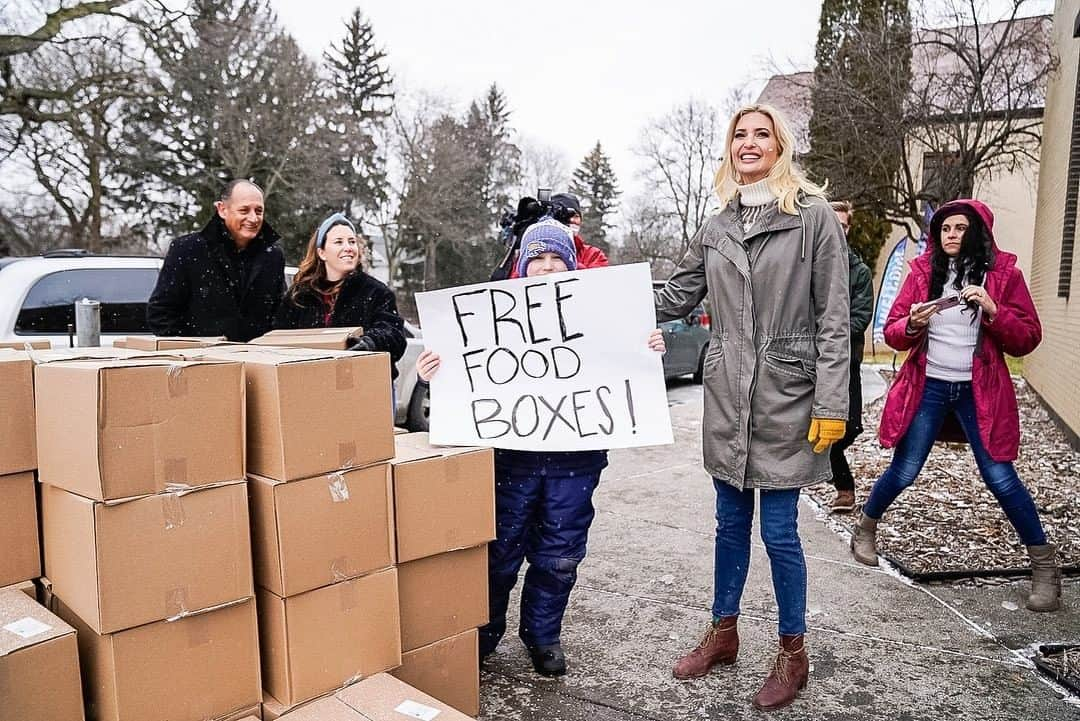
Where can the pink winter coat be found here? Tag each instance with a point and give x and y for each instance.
(1015, 330)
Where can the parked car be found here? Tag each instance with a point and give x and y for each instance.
(687, 341)
(37, 294)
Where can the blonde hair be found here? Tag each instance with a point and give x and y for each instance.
(786, 180)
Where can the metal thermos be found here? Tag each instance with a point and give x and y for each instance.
(87, 323)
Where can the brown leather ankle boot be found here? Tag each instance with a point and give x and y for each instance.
(787, 677)
(720, 646)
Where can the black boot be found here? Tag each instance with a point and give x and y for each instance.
(548, 660)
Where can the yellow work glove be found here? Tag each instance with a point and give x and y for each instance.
(825, 431)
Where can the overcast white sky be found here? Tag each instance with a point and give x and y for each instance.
(575, 73)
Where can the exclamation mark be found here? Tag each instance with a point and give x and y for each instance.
(630, 405)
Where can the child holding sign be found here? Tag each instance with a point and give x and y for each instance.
(543, 501)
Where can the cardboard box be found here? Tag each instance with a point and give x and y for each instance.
(25, 344)
(379, 698)
(155, 343)
(442, 596)
(111, 429)
(249, 714)
(272, 709)
(119, 565)
(448, 670)
(319, 338)
(321, 530)
(56, 355)
(20, 555)
(321, 640)
(39, 663)
(444, 498)
(18, 449)
(26, 587)
(311, 412)
(199, 667)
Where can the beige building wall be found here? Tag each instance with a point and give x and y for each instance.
(1053, 370)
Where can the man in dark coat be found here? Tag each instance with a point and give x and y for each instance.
(224, 280)
(861, 290)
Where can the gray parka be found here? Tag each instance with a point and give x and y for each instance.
(780, 339)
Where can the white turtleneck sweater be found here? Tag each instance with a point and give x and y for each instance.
(952, 335)
(753, 200)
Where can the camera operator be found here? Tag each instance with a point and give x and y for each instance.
(562, 207)
(566, 209)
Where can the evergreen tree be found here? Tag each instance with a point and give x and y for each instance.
(595, 185)
(862, 79)
(237, 99)
(361, 98)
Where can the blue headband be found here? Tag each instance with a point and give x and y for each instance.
(326, 225)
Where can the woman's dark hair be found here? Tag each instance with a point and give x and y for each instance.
(975, 257)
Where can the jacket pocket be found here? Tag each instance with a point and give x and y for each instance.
(787, 360)
(714, 355)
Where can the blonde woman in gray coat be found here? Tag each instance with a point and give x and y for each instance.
(773, 263)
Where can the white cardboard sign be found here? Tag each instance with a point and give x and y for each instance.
(557, 362)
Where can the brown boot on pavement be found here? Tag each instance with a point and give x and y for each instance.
(720, 646)
(844, 502)
(788, 675)
(1045, 578)
(864, 540)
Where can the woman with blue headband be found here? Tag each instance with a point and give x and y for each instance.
(331, 290)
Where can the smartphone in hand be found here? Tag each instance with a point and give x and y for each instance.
(946, 302)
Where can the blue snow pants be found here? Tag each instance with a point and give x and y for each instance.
(543, 510)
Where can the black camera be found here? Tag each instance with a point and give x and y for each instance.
(513, 224)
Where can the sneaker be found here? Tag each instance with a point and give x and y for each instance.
(844, 502)
(548, 660)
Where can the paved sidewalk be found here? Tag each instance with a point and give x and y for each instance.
(880, 647)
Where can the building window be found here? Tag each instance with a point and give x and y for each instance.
(1072, 187)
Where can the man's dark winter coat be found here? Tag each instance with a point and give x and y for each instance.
(207, 287)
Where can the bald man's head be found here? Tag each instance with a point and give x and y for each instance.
(241, 209)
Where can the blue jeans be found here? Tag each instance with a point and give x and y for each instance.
(939, 397)
(780, 532)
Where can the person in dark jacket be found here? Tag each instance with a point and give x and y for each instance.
(861, 286)
(543, 501)
(224, 280)
(330, 290)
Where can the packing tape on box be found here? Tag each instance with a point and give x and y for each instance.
(339, 569)
(346, 454)
(177, 380)
(343, 370)
(176, 603)
(339, 489)
(173, 510)
(349, 595)
(176, 472)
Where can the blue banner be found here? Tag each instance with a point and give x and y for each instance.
(890, 286)
(891, 275)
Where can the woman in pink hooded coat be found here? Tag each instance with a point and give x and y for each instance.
(963, 306)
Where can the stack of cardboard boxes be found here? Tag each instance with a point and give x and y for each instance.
(39, 665)
(319, 438)
(145, 532)
(444, 502)
(229, 524)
